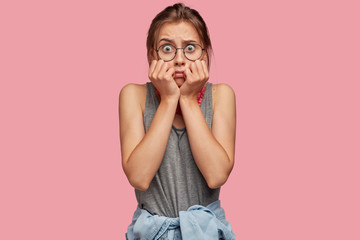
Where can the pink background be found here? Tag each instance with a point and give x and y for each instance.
(294, 66)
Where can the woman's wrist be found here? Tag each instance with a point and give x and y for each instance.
(188, 100)
(172, 100)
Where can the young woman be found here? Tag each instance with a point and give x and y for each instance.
(177, 134)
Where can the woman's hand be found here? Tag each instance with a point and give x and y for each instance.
(161, 75)
(196, 76)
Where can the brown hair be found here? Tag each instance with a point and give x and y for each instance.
(175, 13)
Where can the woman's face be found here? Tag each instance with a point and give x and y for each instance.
(178, 34)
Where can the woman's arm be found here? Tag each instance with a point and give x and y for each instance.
(214, 149)
(142, 153)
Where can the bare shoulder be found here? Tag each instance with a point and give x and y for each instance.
(133, 94)
(223, 95)
(132, 90)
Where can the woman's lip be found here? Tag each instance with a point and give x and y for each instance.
(179, 74)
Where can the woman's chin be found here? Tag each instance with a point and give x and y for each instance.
(179, 81)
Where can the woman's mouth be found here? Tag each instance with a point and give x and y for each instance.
(179, 74)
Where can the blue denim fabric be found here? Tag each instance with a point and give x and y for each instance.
(197, 223)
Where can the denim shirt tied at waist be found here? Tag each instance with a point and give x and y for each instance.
(197, 223)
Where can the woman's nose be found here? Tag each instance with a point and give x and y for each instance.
(179, 58)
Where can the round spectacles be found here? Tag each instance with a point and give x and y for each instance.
(192, 52)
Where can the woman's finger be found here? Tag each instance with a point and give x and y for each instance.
(194, 70)
(157, 68)
(163, 70)
(205, 68)
(200, 69)
(152, 66)
(169, 74)
(187, 71)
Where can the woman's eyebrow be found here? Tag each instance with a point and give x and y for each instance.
(168, 40)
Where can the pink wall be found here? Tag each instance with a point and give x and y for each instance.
(294, 66)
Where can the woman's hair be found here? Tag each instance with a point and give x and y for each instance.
(178, 12)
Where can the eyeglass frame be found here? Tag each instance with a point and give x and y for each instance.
(176, 49)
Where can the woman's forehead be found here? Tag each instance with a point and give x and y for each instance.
(178, 32)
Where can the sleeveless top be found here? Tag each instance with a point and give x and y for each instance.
(178, 184)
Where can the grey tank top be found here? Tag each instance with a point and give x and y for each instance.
(178, 184)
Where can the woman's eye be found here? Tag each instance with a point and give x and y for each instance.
(167, 48)
(190, 48)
